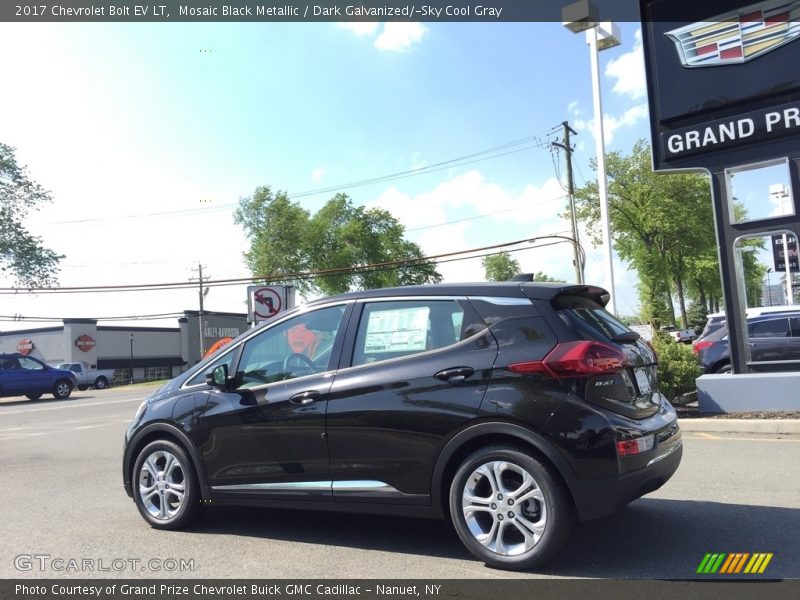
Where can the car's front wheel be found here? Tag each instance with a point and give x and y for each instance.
(508, 508)
(165, 486)
(62, 389)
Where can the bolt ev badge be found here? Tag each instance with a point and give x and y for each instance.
(738, 36)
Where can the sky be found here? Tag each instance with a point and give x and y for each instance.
(148, 135)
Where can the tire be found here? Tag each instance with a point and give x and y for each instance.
(725, 369)
(162, 472)
(33, 396)
(62, 389)
(494, 526)
(100, 383)
(83, 388)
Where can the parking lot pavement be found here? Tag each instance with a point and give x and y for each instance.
(60, 486)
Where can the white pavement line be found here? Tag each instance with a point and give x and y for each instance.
(18, 436)
(715, 438)
(48, 408)
(6, 436)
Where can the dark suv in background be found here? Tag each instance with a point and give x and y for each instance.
(512, 409)
(772, 338)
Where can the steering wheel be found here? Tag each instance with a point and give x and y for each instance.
(302, 357)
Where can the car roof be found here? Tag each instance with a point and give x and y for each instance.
(537, 291)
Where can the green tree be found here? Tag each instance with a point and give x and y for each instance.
(286, 239)
(21, 253)
(541, 276)
(660, 224)
(499, 267)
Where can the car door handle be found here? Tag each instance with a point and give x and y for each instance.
(455, 375)
(305, 397)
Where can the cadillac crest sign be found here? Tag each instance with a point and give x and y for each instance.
(738, 36)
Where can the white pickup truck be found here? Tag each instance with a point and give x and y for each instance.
(87, 377)
(679, 335)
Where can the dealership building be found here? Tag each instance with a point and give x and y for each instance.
(151, 352)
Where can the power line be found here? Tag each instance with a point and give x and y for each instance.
(152, 317)
(262, 278)
(532, 141)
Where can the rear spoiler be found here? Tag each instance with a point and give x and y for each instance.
(549, 291)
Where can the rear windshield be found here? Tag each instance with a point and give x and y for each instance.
(591, 318)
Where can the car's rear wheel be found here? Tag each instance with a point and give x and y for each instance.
(62, 389)
(508, 508)
(100, 383)
(165, 486)
(725, 369)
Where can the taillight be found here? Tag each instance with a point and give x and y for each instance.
(575, 359)
(698, 347)
(635, 446)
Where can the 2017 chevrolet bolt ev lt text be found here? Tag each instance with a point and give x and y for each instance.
(512, 409)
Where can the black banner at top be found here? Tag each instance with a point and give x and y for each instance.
(319, 10)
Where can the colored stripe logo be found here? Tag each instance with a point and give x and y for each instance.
(734, 563)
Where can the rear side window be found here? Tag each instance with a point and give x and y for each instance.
(589, 317)
(770, 328)
(401, 328)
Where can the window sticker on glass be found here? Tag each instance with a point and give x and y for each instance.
(400, 330)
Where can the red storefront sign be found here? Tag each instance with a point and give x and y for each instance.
(85, 343)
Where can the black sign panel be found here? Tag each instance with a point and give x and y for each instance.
(717, 74)
(780, 257)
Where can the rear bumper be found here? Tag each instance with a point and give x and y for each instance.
(602, 497)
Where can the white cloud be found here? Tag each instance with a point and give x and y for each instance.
(628, 71)
(361, 29)
(612, 123)
(317, 174)
(393, 37)
(573, 109)
(469, 195)
(399, 37)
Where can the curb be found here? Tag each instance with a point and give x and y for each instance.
(766, 426)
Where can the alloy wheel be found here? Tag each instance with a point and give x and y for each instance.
(504, 508)
(162, 484)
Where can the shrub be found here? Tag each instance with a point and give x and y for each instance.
(678, 367)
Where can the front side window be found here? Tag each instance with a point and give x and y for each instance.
(30, 364)
(401, 328)
(297, 347)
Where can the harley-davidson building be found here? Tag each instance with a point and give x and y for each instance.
(152, 353)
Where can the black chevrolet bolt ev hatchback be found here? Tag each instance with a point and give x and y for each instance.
(511, 409)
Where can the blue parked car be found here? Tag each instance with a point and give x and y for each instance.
(22, 375)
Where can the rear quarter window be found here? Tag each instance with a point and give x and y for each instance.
(588, 317)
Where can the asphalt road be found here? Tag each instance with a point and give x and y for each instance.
(61, 496)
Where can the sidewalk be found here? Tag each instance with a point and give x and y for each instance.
(722, 425)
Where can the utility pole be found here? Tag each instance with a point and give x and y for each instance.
(203, 292)
(567, 147)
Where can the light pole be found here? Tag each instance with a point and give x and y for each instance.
(130, 337)
(582, 16)
(769, 287)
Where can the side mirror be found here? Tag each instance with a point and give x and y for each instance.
(218, 377)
